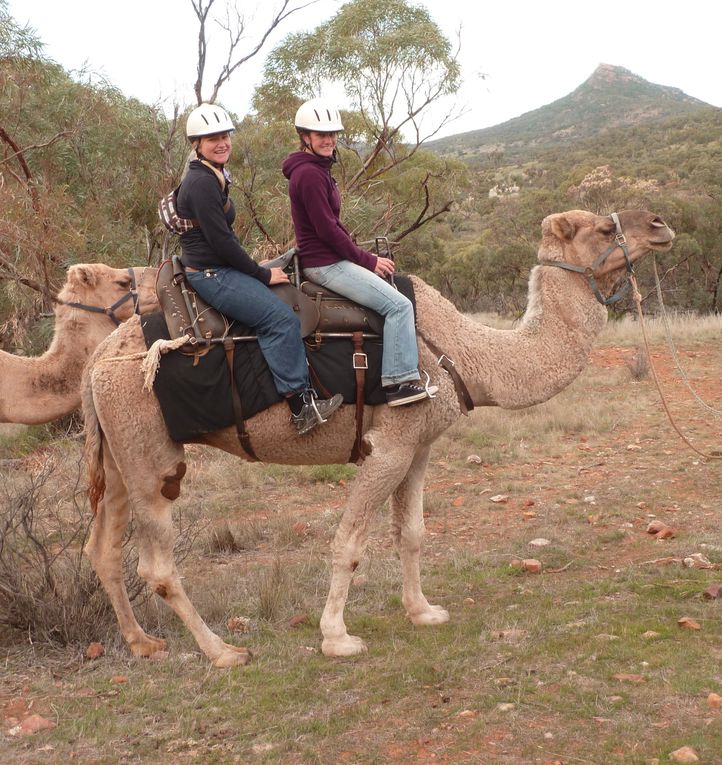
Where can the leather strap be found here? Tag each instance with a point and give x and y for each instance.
(243, 437)
(466, 404)
(360, 365)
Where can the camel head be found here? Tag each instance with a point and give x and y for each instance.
(602, 247)
(117, 292)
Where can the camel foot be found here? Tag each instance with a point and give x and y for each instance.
(232, 656)
(432, 615)
(146, 646)
(348, 645)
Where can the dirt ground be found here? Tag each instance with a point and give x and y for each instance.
(601, 485)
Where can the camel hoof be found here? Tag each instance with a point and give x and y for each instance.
(433, 615)
(348, 645)
(232, 656)
(146, 646)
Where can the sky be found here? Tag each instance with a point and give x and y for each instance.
(515, 55)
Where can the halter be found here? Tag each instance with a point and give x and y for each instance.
(588, 271)
(132, 294)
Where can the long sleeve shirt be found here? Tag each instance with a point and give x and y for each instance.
(315, 208)
(212, 244)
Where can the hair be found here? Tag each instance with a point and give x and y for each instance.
(301, 143)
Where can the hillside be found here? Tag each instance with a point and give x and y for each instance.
(612, 97)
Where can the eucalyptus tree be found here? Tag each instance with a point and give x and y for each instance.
(391, 65)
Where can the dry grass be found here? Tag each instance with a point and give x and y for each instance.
(587, 470)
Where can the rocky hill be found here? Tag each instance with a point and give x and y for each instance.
(612, 97)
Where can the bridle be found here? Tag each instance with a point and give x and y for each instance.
(588, 271)
(132, 294)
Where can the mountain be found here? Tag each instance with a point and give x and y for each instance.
(612, 97)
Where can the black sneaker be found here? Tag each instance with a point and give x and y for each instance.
(408, 393)
(315, 411)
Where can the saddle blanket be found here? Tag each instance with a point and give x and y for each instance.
(194, 393)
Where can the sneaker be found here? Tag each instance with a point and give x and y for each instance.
(315, 411)
(408, 392)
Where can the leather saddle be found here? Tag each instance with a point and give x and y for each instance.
(320, 311)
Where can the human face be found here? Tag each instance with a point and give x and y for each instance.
(215, 148)
(323, 144)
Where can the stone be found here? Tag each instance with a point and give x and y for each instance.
(684, 754)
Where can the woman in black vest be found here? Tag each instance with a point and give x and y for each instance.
(221, 271)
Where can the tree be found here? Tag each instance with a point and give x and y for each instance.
(396, 68)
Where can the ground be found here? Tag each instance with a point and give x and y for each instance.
(582, 663)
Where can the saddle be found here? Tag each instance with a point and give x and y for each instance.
(322, 314)
(320, 311)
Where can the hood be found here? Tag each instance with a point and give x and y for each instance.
(292, 161)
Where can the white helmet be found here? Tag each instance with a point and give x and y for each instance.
(319, 115)
(207, 119)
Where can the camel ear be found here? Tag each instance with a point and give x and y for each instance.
(562, 228)
(82, 275)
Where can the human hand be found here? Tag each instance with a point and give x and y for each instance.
(384, 267)
(278, 276)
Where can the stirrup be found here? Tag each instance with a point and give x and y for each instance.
(431, 390)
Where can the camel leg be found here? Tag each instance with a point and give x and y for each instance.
(408, 532)
(377, 478)
(105, 551)
(156, 564)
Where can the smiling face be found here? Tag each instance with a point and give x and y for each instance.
(322, 144)
(215, 148)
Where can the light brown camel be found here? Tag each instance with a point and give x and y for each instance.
(39, 389)
(134, 464)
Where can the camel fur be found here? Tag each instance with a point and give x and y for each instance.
(133, 464)
(36, 390)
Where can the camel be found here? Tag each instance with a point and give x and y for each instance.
(133, 464)
(94, 300)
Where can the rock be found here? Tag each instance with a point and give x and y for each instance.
(666, 533)
(715, 700)
(360, 581)
(531, 565)
(499, 498)
(474, 459)
(713, 592)
(650, 635)
(297, 620)
(539, 542)
(94, 651)
(467, 713)
(31, 725)
(684, 754)
(655, 526)
(119, 679)
(697, 560)
(505, 707)
(469, 601)
(459, 501)
(688, 623)
(239, 624)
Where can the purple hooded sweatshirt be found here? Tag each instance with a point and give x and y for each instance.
(315, 208)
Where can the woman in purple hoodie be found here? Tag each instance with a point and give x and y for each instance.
(330, 257)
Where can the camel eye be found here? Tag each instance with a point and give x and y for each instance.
(607, 228)
(123, 283)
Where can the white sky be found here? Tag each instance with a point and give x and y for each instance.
(532, 51)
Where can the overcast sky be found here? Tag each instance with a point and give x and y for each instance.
(530, 52)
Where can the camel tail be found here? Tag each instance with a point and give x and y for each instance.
(93, 446)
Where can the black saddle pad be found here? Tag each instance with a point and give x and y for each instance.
(195, 397)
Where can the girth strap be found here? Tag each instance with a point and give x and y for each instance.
(243, 437)
(466, 404)
(360, 365)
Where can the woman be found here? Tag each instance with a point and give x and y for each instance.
(330, 257)
(225, 275)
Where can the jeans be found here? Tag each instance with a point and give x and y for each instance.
(249, 301)
(400, 359)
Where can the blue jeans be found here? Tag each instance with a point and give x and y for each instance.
(400, 359)
(249, 301)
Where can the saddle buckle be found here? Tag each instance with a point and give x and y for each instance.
(360, 360)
